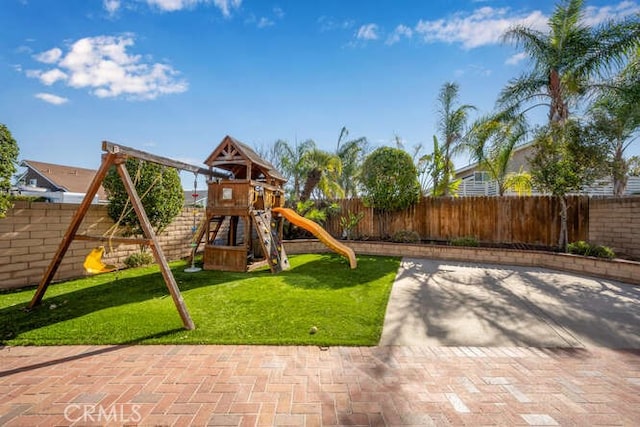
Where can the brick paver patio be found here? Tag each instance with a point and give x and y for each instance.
(258, 385)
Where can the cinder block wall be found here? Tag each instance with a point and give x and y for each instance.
(626, 271)
(615, 222)
(31, 232)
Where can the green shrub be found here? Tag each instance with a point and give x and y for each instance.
(603, 252)
(349, 222)
(138, 259)
(587, 249)
(405, 236)
(465, 241)
(578, 248)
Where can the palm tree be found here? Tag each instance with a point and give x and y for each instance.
(492, 142)
(566, 60)
(615, 118)
(323, 170)
(351, 154)
(452, 120)
(433, 167)
(565, 63)
(292, 160)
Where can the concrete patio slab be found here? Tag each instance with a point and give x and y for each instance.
(440, 303)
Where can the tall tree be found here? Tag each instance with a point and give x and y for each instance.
(433, 168)
(566, 158)
(323, 171)
(566, 63)
(292, 160)
(615, 119)
(351, 154)
(566, 60)
(452, 121)
(8, 157)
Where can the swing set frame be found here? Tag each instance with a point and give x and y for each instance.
(116, 155)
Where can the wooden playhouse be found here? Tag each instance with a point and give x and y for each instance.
(240, 232)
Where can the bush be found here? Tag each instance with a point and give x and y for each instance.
(465, 241)
(603, 252)
(405, 236)
(587, 249)
(138, 259)
(578, 248)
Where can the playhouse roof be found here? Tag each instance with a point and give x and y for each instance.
(235, 156)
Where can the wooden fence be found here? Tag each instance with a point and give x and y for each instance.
(495, 220)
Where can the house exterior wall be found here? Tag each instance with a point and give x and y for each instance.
(520, 160)
(41, 182)
(31, 232)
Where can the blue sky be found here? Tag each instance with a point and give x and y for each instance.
(173, 77)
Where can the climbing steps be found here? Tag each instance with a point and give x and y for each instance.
(270, 241)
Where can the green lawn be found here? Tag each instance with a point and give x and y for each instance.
(134, 306)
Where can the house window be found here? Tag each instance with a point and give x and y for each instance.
(480, 176)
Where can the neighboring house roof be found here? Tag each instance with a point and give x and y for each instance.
(64, 178)
(233, 155)
(518, 160)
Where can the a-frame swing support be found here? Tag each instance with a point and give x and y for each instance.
(117, 155)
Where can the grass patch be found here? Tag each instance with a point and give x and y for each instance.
(134, 306)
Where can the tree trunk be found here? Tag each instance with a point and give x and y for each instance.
(310, 184)
(620, 172)
(558, 113)
(563, 239)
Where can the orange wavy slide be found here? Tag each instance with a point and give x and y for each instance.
(320, 233)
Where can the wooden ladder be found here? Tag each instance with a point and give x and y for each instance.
(270, 241)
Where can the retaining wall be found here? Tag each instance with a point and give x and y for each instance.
(625, 271)
(31, 232)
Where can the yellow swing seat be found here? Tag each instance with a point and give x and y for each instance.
(93, 262)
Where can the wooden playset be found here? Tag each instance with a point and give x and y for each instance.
(239, 227)
(240, 231)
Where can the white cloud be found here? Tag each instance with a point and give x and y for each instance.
(474, 70)
(111, 6)
(516, 59)
(265, 22)
(52, 76)
(51, 99)
(399, 32)
(367, 32)
(50, 56)
(278, 12)
(486, 25)
(171, 5)
(482, 27)
(104, 66)
(330, 24)
(226, 6)
(598, 15)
